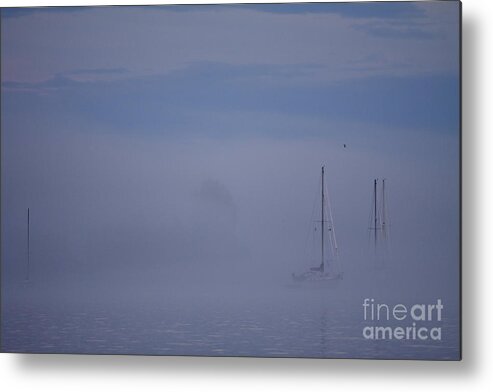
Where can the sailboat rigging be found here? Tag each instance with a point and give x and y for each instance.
(329, 267)
(379, 223)
(378, 214)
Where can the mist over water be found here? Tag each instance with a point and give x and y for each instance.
(173, 227)
(213, 230)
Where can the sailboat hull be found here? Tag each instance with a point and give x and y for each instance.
(313, 276)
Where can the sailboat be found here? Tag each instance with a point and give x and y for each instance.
(379, 224)
(329, 268)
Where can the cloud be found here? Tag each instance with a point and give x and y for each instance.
(18, 12)
(225, 100)
(398, 32)
(151, 40)
(95, 74)
(348, 10)
(363, 10)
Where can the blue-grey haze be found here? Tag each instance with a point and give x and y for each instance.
(170, 158)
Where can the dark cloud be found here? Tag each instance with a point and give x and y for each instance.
(17, 12)
(405, 31)
(385, 10)
(183, 98)
(98, 71)
(398, 10)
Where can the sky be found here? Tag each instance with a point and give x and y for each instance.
(167, 143)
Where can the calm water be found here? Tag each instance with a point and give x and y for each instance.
(308, 323)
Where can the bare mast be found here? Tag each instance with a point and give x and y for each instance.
(384, 213)
(28, 246)
(375, 210)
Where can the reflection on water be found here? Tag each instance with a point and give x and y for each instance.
(307, 325)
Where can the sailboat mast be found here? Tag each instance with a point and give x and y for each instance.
(375, 209)
(323, 202)
(384, 218)
(28, 245)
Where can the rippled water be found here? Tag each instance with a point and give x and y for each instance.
(309, 324)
